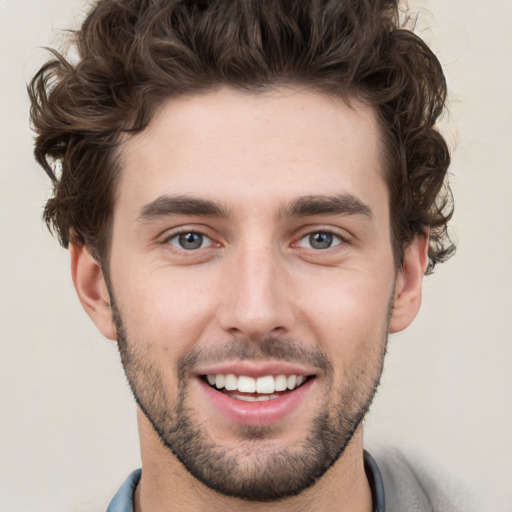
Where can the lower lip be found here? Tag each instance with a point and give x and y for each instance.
(256, 413)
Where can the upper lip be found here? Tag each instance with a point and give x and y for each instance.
(255, 369)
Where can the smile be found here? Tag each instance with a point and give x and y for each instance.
(254, 389)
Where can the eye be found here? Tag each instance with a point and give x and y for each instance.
(320, 240)
(189, 241)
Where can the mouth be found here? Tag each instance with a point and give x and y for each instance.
(257, 393)
(255, 389)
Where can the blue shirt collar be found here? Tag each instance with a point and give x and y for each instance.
(123, 500)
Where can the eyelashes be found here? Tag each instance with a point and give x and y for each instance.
(189, 240)
(194, 240)
(320, 240)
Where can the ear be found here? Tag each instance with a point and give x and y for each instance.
(91, 289)
(409, 283)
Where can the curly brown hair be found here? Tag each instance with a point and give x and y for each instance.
(134, 54)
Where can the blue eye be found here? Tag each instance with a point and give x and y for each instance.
(320, 240)
(189, 241)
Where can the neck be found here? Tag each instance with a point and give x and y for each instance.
(167, 486)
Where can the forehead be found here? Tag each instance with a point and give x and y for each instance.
(235, 147)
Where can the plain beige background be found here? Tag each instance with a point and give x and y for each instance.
(67, 432)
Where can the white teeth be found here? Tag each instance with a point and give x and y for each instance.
(259, 398)
(219, 381)
(280, 383)
(265, 385)
(231, 382)
(246, 384)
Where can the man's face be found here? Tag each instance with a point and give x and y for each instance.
(253, 279)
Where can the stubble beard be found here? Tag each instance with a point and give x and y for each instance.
(256, 468)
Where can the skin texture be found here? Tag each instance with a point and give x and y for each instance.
(275, 168)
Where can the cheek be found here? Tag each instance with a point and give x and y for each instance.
(349, 317)
(169, 313)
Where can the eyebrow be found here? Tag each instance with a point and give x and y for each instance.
(166, 206)
(340, 204)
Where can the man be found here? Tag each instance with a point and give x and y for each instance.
(251, 191)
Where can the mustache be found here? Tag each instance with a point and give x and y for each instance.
(272, 347)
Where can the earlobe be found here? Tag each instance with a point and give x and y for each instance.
(409, 284)
(91, 289)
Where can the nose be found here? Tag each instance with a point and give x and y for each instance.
(256, 300)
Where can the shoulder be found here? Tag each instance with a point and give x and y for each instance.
(413, 484)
